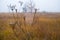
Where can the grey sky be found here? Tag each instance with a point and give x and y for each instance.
(43, 5)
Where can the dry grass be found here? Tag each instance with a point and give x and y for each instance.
(43, 27)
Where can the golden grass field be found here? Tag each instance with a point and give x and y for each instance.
(26, 26)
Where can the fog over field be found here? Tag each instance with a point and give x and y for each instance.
(29, 20)
(43, 5)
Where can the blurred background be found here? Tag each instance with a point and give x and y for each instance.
(42, 5)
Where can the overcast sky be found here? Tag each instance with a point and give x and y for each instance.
(43, 5)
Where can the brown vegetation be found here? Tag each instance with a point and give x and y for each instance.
(41, 26)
